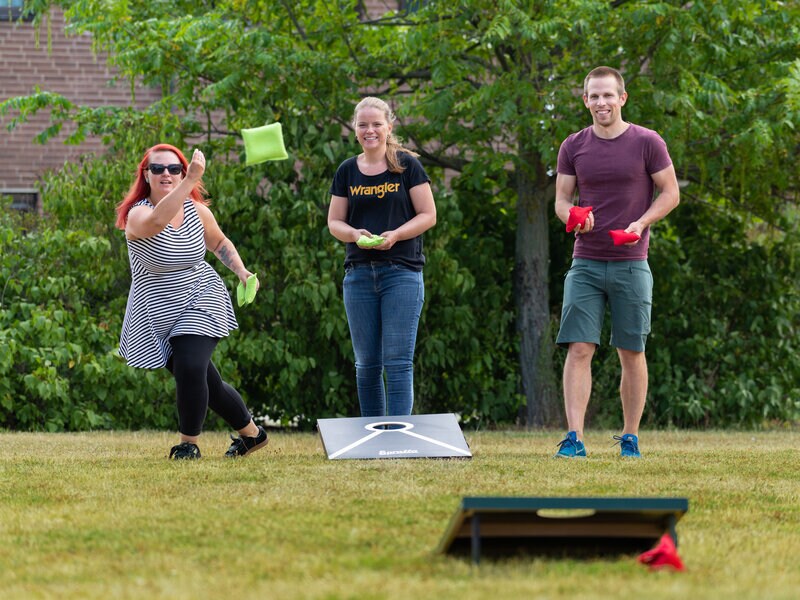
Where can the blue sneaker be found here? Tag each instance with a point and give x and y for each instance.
(629, 445)
(571, 447)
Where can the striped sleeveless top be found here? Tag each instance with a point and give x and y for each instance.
(173, 292)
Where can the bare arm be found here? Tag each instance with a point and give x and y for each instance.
(144, 222)
(425, 207)
(337, 221)
(220, 245)
(565, 191)
(668, 198)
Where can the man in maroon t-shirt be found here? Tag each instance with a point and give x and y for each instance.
(616, 168)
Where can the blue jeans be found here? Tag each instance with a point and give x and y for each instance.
(383, 302)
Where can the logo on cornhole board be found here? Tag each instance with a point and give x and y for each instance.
(408, 436)
(575, 527)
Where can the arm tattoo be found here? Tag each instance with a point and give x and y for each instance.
(226, 256)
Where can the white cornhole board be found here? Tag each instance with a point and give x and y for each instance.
(409, 436)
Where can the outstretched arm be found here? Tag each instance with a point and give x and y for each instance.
(220, 245)
(144, 222)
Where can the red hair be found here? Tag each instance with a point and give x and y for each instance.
(141, 189)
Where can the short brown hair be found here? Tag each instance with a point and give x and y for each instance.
(598, 72)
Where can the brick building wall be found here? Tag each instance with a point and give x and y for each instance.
(69, 68)
(373, 9)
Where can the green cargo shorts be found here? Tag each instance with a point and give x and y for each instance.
(625, 286)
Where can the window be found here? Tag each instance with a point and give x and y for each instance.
(11, 10)
(22, 199)
(407, 5)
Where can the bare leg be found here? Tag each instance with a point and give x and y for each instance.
(250, 430)
(578, 384)
(632, 388)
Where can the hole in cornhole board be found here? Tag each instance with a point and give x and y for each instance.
(501, 527)
(407, 436)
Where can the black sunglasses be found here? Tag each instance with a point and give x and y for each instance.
(157, 169)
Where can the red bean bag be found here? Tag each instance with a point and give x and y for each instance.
(577, 217)
(621, 236)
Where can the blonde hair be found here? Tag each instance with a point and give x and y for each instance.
(393, 144)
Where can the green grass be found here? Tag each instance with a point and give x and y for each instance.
(105, 515)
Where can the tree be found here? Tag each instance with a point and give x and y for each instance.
(485, 88)
(494, 87)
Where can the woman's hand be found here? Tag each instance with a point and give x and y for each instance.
(357, 233)
(390, 238)
(244, 274)
(197, 167)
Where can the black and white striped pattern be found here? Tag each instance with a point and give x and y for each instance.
(173, 292)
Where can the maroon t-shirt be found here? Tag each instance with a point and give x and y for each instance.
(613, 176)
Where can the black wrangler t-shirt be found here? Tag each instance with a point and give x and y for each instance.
(381, 203)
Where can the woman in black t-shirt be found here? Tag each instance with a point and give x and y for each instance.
(381, 203)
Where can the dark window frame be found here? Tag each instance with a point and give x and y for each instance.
(409, 6)
(23, 199)
(13, 13)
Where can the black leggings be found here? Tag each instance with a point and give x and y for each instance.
(200, 387)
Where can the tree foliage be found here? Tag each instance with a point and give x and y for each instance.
(485, 90)
(59, 314)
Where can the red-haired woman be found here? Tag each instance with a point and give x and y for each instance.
(178, 307)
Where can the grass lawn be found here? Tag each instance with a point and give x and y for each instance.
(106, 515)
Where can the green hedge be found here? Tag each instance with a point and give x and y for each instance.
(723, 352)
(726, 308)
(60, 314)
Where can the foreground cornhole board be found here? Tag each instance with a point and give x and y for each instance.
(561, 527)
(411, 436)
